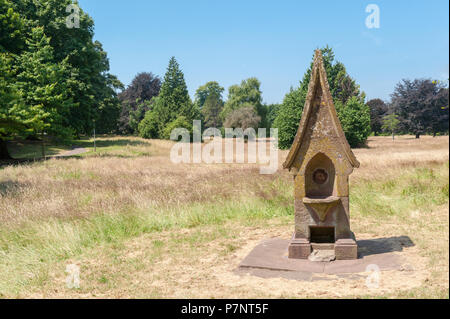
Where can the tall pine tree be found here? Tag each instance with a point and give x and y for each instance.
(13, 113)
(43, 87)
(173, 100)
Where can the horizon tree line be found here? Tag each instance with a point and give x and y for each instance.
(417, 107)
(55, 84)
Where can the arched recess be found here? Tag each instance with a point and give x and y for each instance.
(319, 177)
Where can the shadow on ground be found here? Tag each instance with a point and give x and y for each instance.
(103, 143)
(25, 161)
(383, 245)
(9, 187)
(110, 143)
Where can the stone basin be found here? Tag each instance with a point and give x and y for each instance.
(321, 205)
(321, 200)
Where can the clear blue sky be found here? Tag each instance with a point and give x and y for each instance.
(228, 41)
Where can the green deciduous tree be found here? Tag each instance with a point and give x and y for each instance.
(211, 109)
(272, 112)
(206, 90)
(43, 87)
(13, 113)
(355, 120)
(421, 106)
(248, 93)
(180, 122)
(109, 106)
(90, 86)
(342, 88)
(390, 124)
(57, 77)
(288, 117)
(137, 115)
(149, 126)
(244, 117)
(136, 100)
(378, 110)
(12, 28)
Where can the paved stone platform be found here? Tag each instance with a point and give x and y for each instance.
(270, 259)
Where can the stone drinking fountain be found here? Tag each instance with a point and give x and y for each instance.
(321, 161)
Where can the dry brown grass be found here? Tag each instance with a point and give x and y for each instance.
(77, 187)
(404, 152)
(80, 187)
(198, 260)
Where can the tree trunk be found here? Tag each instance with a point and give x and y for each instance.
(4, 153)
(417, 135)
(43, 144)
(393, 135)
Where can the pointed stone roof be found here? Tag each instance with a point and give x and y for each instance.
(318, 78)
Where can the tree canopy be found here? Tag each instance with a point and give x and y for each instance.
(56, 78)
(390, 123)
(247, 94)
(211, 111)
(55, 81)
(378, 109)
(172, 103)
(244, 118)
(202, 93)
(136, 100)
(422, 106)
(342, 87)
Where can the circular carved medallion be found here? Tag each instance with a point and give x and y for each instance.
(320, 176)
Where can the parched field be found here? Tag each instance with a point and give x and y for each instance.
(139, 226)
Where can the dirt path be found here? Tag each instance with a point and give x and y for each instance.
(75, 151)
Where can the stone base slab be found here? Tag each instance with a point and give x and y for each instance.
(272, 254)
(344, 249)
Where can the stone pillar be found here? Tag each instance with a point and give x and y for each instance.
(346, 249)
(299, 248)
